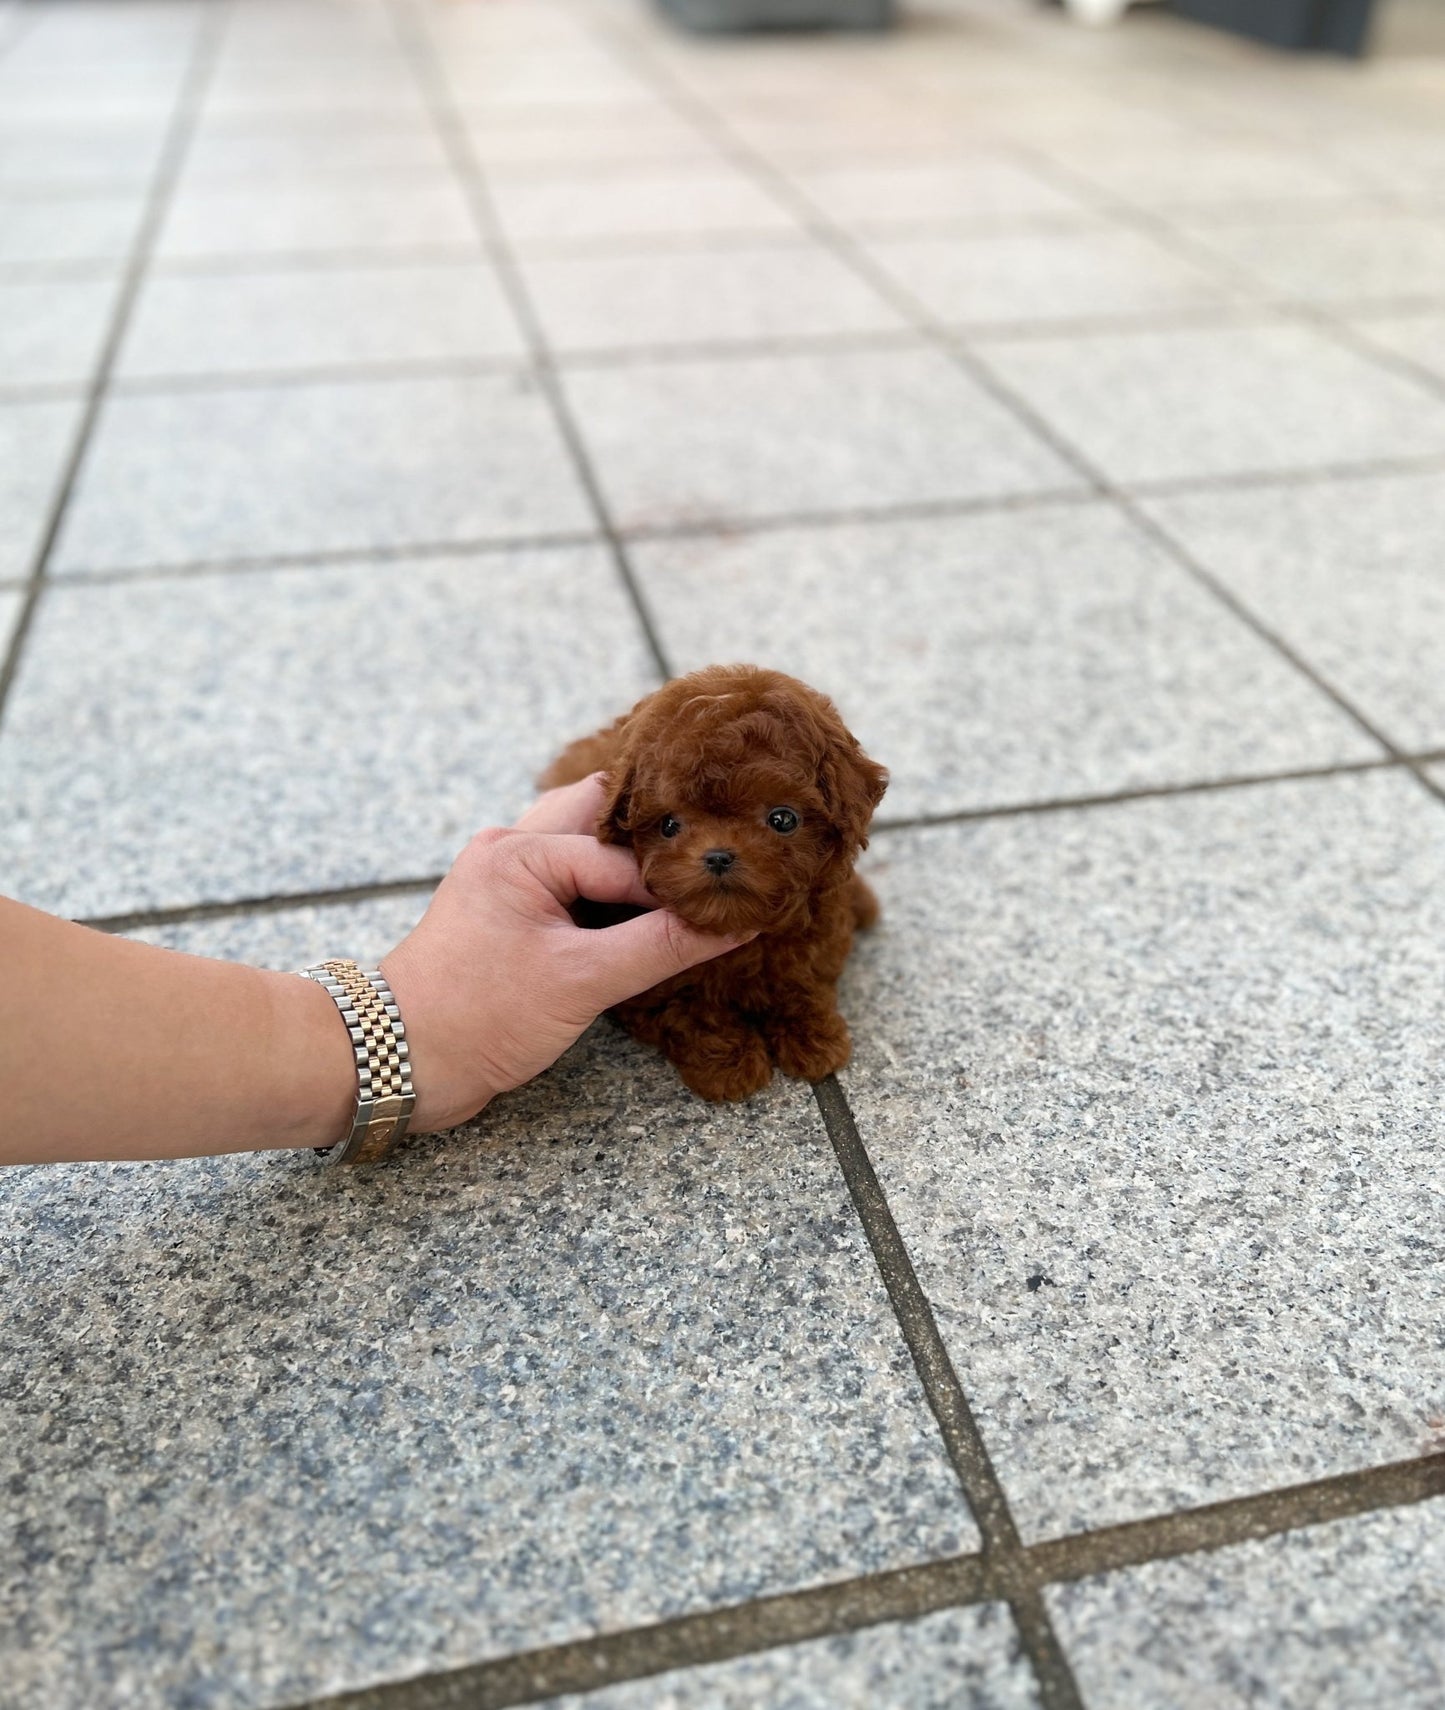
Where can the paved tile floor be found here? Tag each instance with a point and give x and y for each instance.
(1072, 406)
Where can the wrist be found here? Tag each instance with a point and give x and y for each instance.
(313, 1065)
(446, 1060)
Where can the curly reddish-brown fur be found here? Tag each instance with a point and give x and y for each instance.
(715, 753)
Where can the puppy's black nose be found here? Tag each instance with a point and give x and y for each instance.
(717, 861)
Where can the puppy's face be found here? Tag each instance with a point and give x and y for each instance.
(736, 852)
(741, 792)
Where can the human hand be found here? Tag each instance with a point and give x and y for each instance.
(496, 981)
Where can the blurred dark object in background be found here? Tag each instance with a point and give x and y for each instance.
(1337, 26)
(719, 15)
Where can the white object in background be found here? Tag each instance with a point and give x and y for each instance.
(1096, 11)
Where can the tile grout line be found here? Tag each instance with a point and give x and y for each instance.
(1027, 1602)
(962, 1438)
(179, 382)
(896, 1595)
(326, 558)
(1237, 1520)
(1368, 469)
(940, 1382)
(1190, 245)
(981, 1488)
(1169, 543)
(276, 902)
(959, 1576)
(1052, 1672)
(456, 140)
(1150, 792)
(467, 366)
(1128, 504)
(1175, 239)
(865, 516)
(641, 246)
(1291, 310)
(952, 344)
(280, 901)
(179, 131)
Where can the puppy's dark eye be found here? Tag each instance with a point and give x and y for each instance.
(670, 826)
(783, 820)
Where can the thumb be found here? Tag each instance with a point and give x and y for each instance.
(628, 958)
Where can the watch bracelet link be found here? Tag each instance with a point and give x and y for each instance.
(385, 1098)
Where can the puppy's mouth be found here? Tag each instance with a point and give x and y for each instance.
(727, 903)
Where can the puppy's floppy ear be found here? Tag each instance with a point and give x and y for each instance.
(852, 787)
(614, 823)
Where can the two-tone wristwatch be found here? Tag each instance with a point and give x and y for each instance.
(385, 1097)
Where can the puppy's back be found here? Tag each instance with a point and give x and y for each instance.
(580, 759)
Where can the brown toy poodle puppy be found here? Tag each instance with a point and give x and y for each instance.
(747, 801)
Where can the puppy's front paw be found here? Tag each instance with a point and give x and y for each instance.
(724, 1083)
(812, 1046)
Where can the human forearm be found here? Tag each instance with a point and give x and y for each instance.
(114, 1049)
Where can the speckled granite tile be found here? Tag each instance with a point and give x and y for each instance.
(1338, 1617)
(35, 440)
(1420, 338)
(1220, 401)
(281, 147)
(318, 318)
(524, 26)
(40, 231)
(228, 772)
(575, 78)
(793, 133)
(51, 333)
(277, 1431)
(90, 92)
(326, 467)
(710, 441)
(68, 156)
(1154, 1091)
(392, 210)
(633, 136)
(971, 187)
(962, 1659)
(517, 28)
(1227, 174)
(378, 85)
(1349, 575)
(782, 291)
(1055, 275)
(31, 67)
(304, 29)
(1071, 122)
(1341, 260)
(91, 29)
(538, 212)
(1000, 658)
(1401, 160)
(296, 937)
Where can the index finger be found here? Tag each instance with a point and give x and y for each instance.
(574, 866)
(573, 809)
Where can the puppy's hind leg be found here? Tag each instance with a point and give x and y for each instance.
(580, 759)
(863, 903)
